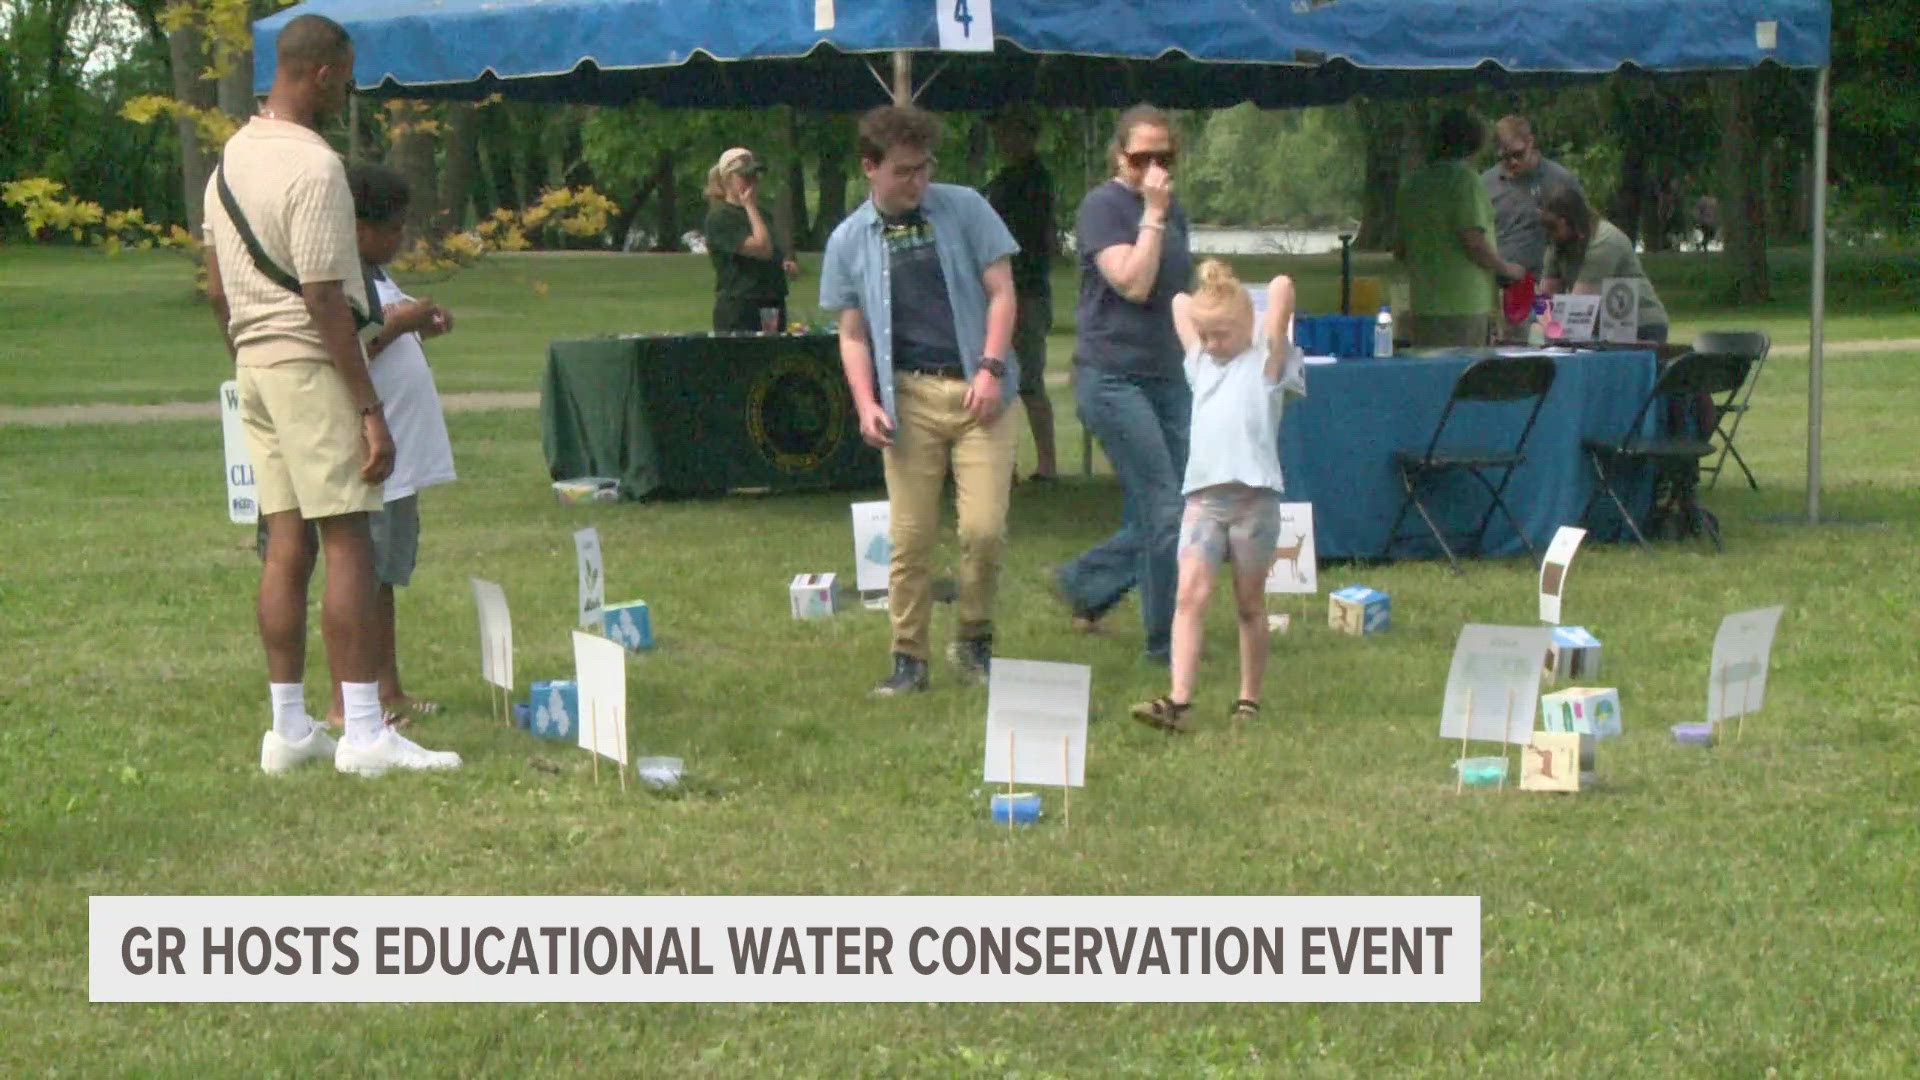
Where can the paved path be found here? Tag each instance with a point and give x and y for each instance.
(64, 415)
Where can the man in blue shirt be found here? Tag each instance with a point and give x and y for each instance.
(921, 277)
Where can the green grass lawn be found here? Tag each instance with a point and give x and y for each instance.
(1728, 912)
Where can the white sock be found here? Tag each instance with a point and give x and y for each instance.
(290, 719)
(361, 702)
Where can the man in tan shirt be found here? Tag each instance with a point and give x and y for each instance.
(287, 285)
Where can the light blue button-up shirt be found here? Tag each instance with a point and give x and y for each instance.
(969, 237)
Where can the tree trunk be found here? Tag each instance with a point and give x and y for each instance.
(188, 55)
(412, 154)
(796, 201)
(830, 173)
(666, 236)
(1392, 133)
(456, 177)
(1743, 205)
(235, 90)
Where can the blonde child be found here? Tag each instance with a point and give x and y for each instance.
(1233, 481)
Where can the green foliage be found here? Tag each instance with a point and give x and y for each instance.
(1253, 167)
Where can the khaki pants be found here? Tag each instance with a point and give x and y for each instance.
(934, 431)
(1442, 331)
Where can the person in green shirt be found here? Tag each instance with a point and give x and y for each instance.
(1447, 240)
(750, 268)
(1585, 249)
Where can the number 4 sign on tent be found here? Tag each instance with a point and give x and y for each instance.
(965, 25)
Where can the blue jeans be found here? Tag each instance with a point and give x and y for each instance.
(1142, 426)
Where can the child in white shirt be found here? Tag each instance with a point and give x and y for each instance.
(1233, 480)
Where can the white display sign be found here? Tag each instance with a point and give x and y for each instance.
(1037, 722)
(872, 546)
(242, 507)
(600, 674)
(1742, 652)
(1619, 310)
(496, 633)
(593, 581)
(1295, 567)
(1553, 570)
(1493, 685)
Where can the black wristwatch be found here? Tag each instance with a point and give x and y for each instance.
(994, 366)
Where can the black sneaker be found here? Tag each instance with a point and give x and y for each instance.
(972, 658)
(909, 675)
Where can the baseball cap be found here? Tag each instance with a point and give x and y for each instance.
(740, 160)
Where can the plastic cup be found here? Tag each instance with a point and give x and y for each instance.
(769, 320)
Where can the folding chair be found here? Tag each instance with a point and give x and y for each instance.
(1493, 379)
(1754, 345)
(1694, 373)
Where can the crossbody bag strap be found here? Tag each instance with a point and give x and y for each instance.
(271, 270)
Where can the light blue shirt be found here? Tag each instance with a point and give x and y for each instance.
(969, 237)
(1236, 419)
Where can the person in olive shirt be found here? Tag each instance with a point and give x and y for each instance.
(750, 269)
(1447, 240)
(1022, 194)
(1585, 249)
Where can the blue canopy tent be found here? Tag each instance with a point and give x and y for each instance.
(851, 54)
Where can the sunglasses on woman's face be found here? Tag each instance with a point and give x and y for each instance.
(1140, 159)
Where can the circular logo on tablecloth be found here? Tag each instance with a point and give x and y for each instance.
(797, 414)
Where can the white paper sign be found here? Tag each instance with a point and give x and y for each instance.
(1553, 570)
(822, 15)
(242, 509)
(1037, 723)
(1295, 569)
(496, 633)
(1500, 667)
(1619, 310)
(1742, 651)
(1576, 313)
(965, 25)
(593, 582)
(600, 674)
(872, 546)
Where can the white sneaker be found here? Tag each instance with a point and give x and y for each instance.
(391, 750)
(278, 753)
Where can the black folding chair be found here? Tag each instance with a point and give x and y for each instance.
(1673, 455)
(1493, 379)
(1728, 412)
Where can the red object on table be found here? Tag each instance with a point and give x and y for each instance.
(1516, 300)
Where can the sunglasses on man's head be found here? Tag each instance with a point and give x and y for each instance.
(1140, 159)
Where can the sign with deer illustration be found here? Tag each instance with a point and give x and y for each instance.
(1295, 568)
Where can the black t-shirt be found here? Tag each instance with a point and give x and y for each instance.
(923, 335)
(1114, 333)
(1022, 194)
(737, 276)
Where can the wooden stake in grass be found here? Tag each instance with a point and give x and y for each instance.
(1066, 782)
(1504, 733)
(1009, 784)
(593, 736)
(1746, 697)
(1466, 730)
(1713, 725)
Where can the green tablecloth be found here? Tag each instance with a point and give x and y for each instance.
(703, 415)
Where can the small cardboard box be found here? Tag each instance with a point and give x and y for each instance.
(1357, 609)
(1585, 710)
(812, 596)
(629, 625)
(555, 709)
(1557, 761)
(1574, 654)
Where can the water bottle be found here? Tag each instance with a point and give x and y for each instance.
(1383, 332)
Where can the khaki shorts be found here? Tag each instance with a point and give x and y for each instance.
(304, 438)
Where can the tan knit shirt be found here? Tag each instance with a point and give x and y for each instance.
(292, 189)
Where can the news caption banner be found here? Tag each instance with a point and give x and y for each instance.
(784, 948)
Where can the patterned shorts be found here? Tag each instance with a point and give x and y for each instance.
(1231, 522)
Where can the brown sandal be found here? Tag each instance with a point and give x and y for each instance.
(1244, 710)
(1163, 713)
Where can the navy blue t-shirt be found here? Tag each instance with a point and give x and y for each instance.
(1115, 334)
(923, 334)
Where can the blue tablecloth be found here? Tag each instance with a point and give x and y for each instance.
(1337, 445)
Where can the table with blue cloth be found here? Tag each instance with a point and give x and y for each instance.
(1337, 447)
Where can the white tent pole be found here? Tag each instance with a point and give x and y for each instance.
(902, 77)
(1817, 330)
